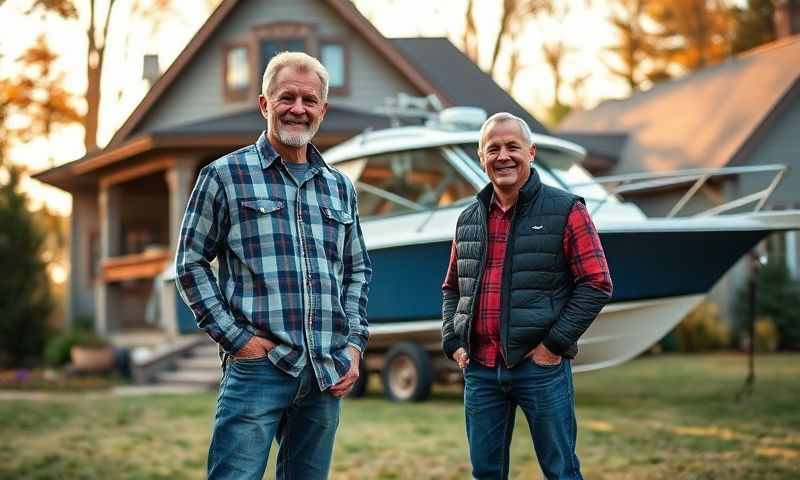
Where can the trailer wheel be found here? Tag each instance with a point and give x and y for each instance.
(406, 373)
(360, 387)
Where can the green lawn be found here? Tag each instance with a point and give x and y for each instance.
(662, 417)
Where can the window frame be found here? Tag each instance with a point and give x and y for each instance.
(344, 89)
(276, 31)
(236, 95)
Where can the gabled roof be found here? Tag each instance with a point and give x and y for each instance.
(452, 72)
(433, 66)
(705, 119)
(344, 8)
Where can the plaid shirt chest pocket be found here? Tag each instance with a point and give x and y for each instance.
(335, 224)
(262, 231)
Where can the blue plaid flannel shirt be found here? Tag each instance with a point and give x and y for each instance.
(292, 260)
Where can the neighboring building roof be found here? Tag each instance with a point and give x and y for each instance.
(603, 150)
(704, 119)
(608, 145)
(452, 72)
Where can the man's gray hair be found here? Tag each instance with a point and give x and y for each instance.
(505, 117)
(298, 60)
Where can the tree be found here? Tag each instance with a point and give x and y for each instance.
(637, 60)
(32, 94)
(97, 15)
(691, 33)
(470, 38)
(754, 25)
(36, 96)
(24, 289)
(513, 18)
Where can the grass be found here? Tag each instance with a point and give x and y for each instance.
(661, 417)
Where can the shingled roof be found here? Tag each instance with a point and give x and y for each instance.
(706, 119)
(453, 73)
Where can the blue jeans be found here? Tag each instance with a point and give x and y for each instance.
(545, 394)
(257, 403)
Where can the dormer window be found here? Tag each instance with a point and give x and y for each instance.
(245, 60)
(237, 72)
(333, 55)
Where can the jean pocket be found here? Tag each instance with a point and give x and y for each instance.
(547, 365)
(249, 359)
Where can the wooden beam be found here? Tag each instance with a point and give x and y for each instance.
(136, 171)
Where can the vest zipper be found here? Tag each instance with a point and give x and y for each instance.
(504, 314)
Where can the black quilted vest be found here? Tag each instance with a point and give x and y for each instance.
(537, 281)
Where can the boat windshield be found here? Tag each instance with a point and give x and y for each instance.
(558, 168)
(405, 181)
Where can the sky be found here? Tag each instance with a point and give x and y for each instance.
(584, 29)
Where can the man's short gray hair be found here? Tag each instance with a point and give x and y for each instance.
(298, 60)
(505, 117)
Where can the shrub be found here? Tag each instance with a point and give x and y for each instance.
(776, 299)
(58, 348)
(703, 330)
(57, 351)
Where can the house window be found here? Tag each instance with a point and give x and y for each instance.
(270, 47)
(237, 72)
(333, 55)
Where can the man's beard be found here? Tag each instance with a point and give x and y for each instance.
(296, 140)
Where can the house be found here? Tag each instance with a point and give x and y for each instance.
(129, 197)
(742, 112)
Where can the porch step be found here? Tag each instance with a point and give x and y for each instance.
(209, 378)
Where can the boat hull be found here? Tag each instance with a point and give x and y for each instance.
(659, 277)
(622, 331)
(407, 280)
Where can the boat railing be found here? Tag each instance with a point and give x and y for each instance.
(695, 179)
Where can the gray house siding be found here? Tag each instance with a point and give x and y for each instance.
(781, 144)
(198, 93)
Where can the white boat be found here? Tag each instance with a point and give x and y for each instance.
(413, 181)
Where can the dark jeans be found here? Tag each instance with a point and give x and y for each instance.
(545, 394)
(258, 402)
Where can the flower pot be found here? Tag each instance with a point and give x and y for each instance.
(92, 359)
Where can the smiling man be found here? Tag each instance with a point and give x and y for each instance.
(527, 277)
(288, 307)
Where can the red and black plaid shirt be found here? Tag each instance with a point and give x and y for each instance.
(582, 250)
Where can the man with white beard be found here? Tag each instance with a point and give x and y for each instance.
(288, 308)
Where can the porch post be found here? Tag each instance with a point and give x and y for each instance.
(180, 178)
(109, 205)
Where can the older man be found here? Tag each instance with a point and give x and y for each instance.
(288, 308)
(527, 276)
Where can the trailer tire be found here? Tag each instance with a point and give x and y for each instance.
(360, 387)
(407, 373)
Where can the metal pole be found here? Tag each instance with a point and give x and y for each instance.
(749, 382)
